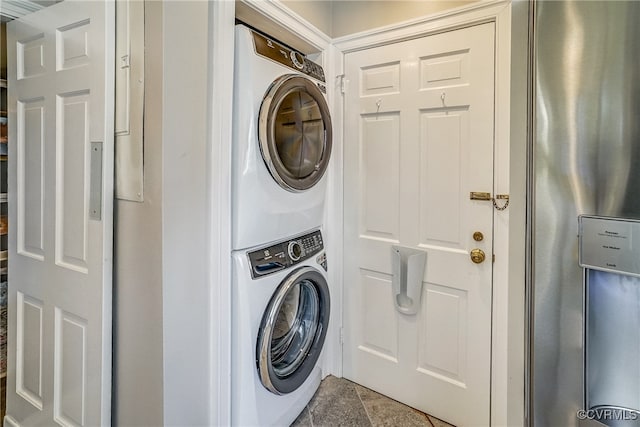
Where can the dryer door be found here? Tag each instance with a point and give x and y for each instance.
(293, 330)
(295, 132)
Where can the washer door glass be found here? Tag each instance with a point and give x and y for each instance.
(293, 330)
(295, 132)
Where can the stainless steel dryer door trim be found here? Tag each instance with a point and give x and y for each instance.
(269, 118)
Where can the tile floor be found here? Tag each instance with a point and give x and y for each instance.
(340, 402)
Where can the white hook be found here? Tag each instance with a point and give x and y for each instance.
(443, 96)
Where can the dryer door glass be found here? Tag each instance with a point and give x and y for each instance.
(293, 330)
(295, 132)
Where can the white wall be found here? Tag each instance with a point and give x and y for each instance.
(340, 18)
(137, 329)
(162, 339)
(354, 16)
(185, 227)
(317, 12)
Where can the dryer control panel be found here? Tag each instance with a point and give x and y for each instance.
(288, 253)
(286, 56)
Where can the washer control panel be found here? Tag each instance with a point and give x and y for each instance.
(288, 253)
(286, 56)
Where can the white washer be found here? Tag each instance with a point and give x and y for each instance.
(282, 141)
(281, 308)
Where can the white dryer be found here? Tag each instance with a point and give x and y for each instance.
(281, 308)
(282, 141)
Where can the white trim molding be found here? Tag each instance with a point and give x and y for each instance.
(284, 24)
(220, 98)
(482, 11)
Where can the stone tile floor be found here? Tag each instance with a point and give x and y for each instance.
(340, 402)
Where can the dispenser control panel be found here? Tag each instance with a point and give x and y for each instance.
(286, 56)
(285, 254)
(609, 244)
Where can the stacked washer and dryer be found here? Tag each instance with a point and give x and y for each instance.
(281, 302)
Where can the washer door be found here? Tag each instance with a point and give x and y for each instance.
(293, 330)
(295, 132)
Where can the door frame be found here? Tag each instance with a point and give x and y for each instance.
(508, 374)
(507, 325)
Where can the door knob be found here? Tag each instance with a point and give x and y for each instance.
(477, 255)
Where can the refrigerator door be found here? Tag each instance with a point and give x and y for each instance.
(586, 137)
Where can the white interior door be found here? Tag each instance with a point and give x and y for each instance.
(60, 69)
(419, 138)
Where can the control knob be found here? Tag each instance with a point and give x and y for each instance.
(298, 59)
(295, 250)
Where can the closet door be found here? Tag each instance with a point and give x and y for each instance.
(61, 70)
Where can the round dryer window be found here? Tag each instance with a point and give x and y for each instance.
(295, 132)
(293, 330)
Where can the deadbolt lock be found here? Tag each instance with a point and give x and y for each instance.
(478, 236)
(477, 256)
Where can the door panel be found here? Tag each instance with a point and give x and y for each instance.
(380, 216)
(60, 69)
(421, 140)
(441, 226)
(378, 322)
(30, 147)
(29, 350)
(442, 321)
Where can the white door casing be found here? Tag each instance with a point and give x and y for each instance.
(419, 138)
(60, 69)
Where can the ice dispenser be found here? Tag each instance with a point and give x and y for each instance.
(610, 257)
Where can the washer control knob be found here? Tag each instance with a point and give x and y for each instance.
(298, 59)
(295, 250)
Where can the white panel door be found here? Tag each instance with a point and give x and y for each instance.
(60, 69)
(419, 138)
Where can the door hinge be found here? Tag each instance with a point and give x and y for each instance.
(493, 258)
(341, 335)
(343, 83)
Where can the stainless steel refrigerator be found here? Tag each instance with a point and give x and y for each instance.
(584, 160)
